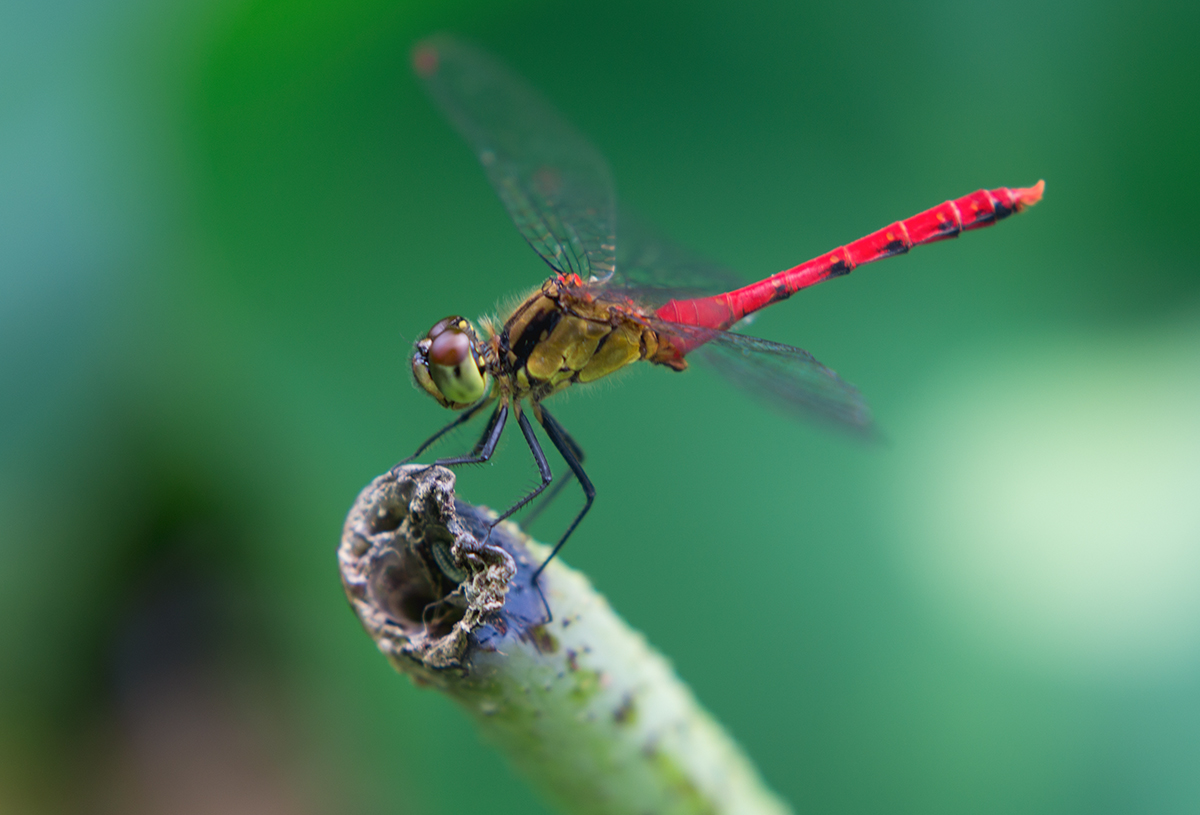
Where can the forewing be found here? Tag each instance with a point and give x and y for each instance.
(554, 183)
(653, 269)
(788, 378)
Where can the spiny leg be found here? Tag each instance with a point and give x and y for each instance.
(469, 414)
(549, 497)
(539, 458)
(487, 431)
(487, 442)
(559, 437)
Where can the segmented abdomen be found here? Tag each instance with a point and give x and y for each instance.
(947, 220)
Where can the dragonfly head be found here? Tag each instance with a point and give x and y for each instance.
(448, 364)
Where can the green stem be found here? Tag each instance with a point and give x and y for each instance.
(593, 716)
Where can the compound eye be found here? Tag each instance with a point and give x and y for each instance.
(449, 348)
(442, 324)
(452, 364)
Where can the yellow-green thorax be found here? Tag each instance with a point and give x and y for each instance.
(561, 335)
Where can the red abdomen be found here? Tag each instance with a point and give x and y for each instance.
(947, 220)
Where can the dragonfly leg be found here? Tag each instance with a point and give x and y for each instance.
(462, 419)
(563, 480)
(543, 467)
(559, 437)
(487, 442)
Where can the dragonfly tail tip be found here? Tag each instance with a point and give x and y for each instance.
(1028, 196)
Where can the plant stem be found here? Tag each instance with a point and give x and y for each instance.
(594, 716)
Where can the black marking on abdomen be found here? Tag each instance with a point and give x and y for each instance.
(780, 293)
(949, 228)
(896, 247)
(839, 268)
(982, 218)
(1003, 211)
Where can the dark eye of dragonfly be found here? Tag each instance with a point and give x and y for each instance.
(446, 364)
(446, 322)
(450, 349)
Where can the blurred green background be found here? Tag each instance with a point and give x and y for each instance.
(223, 223)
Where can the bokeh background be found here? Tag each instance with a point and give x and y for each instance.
(222, 223)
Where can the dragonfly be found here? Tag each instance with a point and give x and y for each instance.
(607, 303)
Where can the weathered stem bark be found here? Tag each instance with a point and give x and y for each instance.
(582, 705)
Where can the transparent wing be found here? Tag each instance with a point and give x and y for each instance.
(652, 269)
(787, 378)
(555, 185)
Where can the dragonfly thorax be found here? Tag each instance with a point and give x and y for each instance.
(564, 334)
(448, 363)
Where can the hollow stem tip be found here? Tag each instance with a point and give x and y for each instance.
(594, 716)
